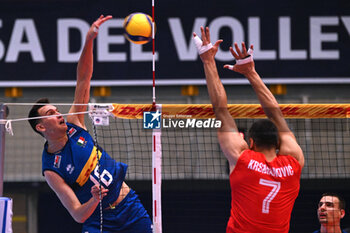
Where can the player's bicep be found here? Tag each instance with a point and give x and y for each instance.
(231, 142)
(232, 145)
(290, 146)
(76, 119)
(63, 191)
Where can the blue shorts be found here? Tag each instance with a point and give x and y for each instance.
(129, 216)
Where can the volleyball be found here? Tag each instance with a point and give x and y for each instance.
(138, 28)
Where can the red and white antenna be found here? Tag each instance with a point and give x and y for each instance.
(156, 148)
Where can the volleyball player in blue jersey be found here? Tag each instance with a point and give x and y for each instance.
(69, 161)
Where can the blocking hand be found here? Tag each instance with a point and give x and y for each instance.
(244, 59)
(205, 49)
(93, 31)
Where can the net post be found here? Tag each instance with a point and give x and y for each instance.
(156, 177)
(3, 115)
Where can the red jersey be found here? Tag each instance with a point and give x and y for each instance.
(263, 193)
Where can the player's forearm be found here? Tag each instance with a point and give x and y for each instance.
(216, 90)
(84, 72)
(83, 212)
(85, 64)
(218, 97)
(266, 98)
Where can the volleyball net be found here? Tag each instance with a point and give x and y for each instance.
(191, 158)
(185, 140)
(190, 149)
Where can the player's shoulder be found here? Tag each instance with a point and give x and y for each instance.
(74, 130)
(247, 155)
(249, 152)
(287, 158)
(72, 125)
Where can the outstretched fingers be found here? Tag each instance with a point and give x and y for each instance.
(242, 57)
(102, 19)
(250, 50)
(234, 54)
(217, 43)
(207, 32)
(238, 51)
(244, 49)
(93, 31)
(204, 37)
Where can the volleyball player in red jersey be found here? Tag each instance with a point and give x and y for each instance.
(264, 185)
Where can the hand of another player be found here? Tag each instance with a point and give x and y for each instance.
(95, 192)
(239, 55)
(93, 31)
(210, 54)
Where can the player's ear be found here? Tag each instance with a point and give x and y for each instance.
(342, 213)
(40, 127)
(278, 143)
(251, 143)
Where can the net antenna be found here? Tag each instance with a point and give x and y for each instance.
(156, 147)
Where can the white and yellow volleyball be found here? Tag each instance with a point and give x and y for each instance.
(138, 28)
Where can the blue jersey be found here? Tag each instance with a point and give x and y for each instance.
(77, 162)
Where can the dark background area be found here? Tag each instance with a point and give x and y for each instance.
(194, 205)
(45, 15)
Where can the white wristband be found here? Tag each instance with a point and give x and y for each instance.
(199, 44)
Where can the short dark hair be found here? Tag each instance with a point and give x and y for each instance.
(340, 198)
(264, 134)
(34, 112)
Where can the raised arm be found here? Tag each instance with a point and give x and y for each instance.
(84, 74)
(288, 143)
(231, 142)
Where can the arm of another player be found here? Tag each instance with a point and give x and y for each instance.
(231, 142)
(84, 74)
(288, 143)
(80, 212)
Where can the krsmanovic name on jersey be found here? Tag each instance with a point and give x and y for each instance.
(191, 123)
(273, 171)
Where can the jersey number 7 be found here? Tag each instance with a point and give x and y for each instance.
(275, 188)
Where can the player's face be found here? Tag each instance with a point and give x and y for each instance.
(54, 124)
(328, 210)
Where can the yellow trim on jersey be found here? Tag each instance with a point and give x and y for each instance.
(89, 167)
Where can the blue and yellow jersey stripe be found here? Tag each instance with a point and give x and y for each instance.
(89, 167)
